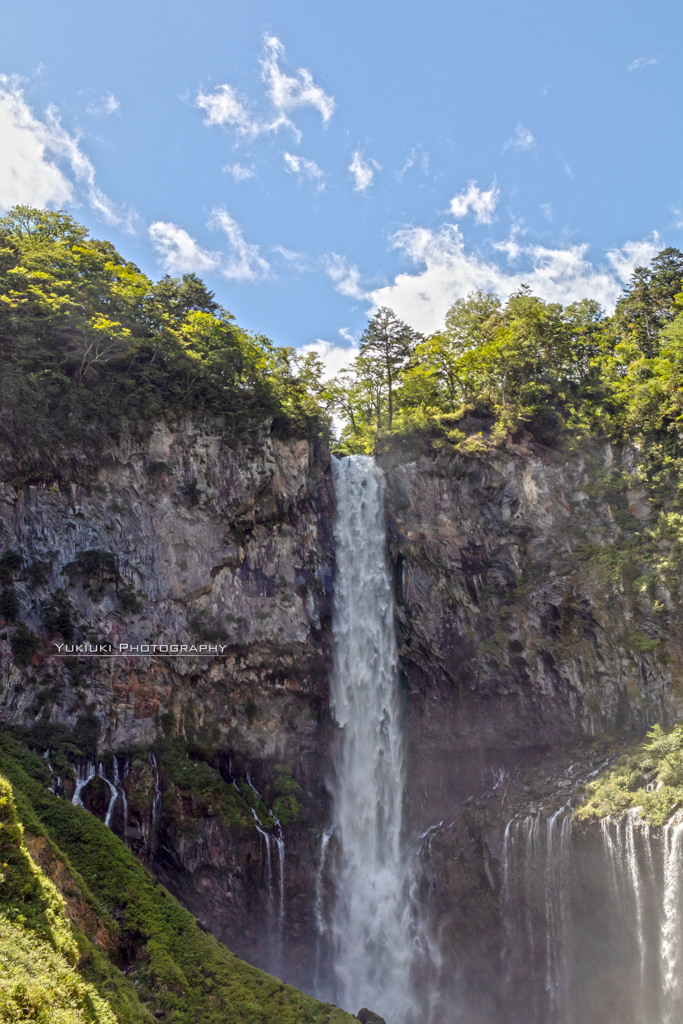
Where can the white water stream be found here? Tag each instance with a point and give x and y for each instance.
(371, 917)
(604, 912)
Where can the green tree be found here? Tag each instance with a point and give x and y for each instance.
(649, 300)
(386, 347)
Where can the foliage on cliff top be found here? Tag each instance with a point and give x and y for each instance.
(172, 967)
(649, 777)
(88, 342)
(557, 374)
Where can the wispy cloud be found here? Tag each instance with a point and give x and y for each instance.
(521, 140)
(239, 172)
(345, 276)
(43, 164)
(642, 62)
(347, 335)
(295, 260)
(363, 171)
(179, 253)
(225, 106)
(287, 92)
(305, 170)
(447, 271)
(478, 201)
(107, 104)
(566, 166)
(243, 260)
(416, 157)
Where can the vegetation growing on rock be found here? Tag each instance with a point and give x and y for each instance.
(116, 947)
(649, 777)
(557, 373)
(89, 343)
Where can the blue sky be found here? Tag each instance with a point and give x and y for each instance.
(312, 161)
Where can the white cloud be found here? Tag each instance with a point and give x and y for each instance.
(243, 261)
(547, 210)
(363, 171)
(28, 172)
(482, 203)
(304, 169)
(287, 92)
(43, 164)
(448, 272)
(345, 276)
(296, 260)
(224, 106)
(240, 172)
(107, 104)
(179, 253)
(566, 166)
(334, 357)
(522, 139)
(416, 156)
(642, 62)
(633, 254)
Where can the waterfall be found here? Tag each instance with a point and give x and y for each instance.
(594, 921)
(84, 772)
(371, 915)
(275, 902)
(536, 895)
(671, 924)
(319, 905)
(113, 795)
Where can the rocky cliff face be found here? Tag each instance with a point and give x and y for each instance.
(183, 540)
(518, 643)
(517, 646)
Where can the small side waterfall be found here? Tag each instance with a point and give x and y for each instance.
(594, 921)
(113, 795)
(536, 892)
(371, 911)
(319, 905)
(84, 772)
(271, 837)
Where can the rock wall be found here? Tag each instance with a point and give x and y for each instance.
(182, 539)
(519, 655)
(522, 655)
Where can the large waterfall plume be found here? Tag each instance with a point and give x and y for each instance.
(371, 924)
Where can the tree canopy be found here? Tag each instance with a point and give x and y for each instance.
(87, 342)
(556, 372)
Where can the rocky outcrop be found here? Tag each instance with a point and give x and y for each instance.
(521, 647)
(182, 540)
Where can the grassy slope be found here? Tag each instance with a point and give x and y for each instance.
(154, 961)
